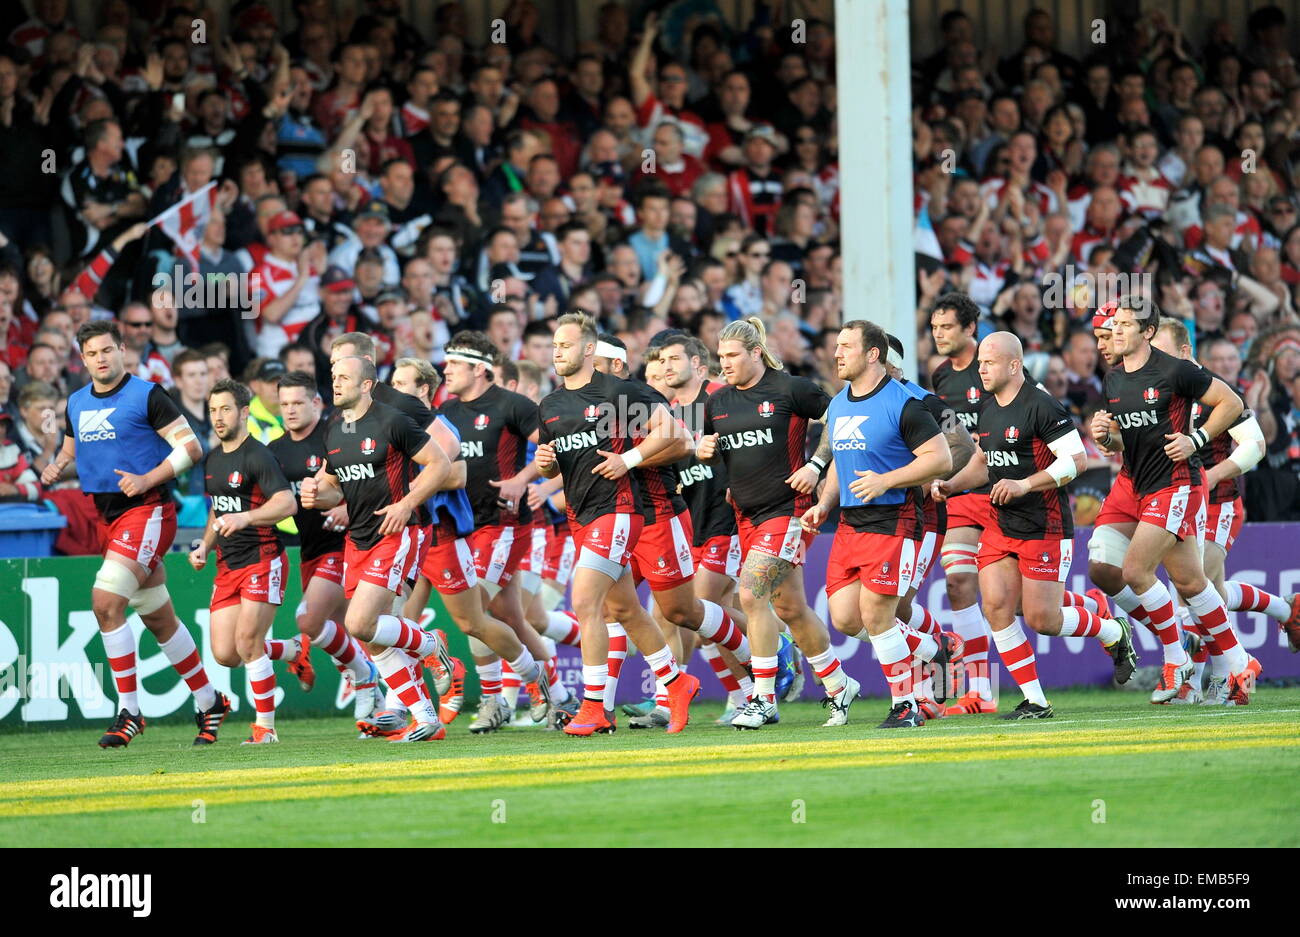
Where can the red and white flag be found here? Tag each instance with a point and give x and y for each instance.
(185, 221)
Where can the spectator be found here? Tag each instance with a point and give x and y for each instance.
(192, 384)
(38, 434)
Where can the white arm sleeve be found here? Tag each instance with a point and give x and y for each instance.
(1063, 470)
(1250, 444)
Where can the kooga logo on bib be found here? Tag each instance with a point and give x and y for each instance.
(93, 425)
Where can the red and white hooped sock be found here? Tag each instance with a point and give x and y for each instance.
(347, 652)
(896, 662)
(489, 677)
(718, 627)
(1243, 597)
(183, 654)
(1018, 656)
(764, 677)
(391, 631)
(970, 626)
(1075, 600)
(261, 680)
(921, 620)
(1208, 608)
(281, 649)
(563, 628)
(1078, 622)
(827, 667)
(614, 661)
(119, 647)
(1159, 605)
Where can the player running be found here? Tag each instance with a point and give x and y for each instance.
(495, 426)
(391, 722)
(129, 440)
(586, 435)
(756, 428)
(1029, 450)
(370, 449)
(1225, 513)
(250, 495)
(715, 544)
(957, 383)
(1148, 417)
(885, 444)
(662, 558)
(301, 454)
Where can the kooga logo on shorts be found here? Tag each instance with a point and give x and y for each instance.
(93, 425)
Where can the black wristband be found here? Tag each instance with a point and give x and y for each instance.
(1199, 439)
(819, 465)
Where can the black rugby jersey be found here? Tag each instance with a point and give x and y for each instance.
(241, 481)
(1149, 403)
(962, 392)
(299, 459)
(1015, 440)
(762, 431)
(579, 422)
(494, 430)
(703, 486)
(373, 462)
(423, 417)
(660, 499)
(1218, 449)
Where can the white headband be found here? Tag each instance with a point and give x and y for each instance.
(469, 357)
(894, 359)
(606, 350)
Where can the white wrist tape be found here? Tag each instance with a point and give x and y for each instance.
(1250, 445)
(1064, 469)
(632, 458)
(180, 461)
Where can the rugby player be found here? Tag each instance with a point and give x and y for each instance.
(495, 427)
(249, 496)
(1031, 449)
(370, 450)
(885, 446)
(585, 436)
(129, 440)
(956, 382)
(757, 427)
(301, 454)
(1148, 417)
(662, 558)
(1225, 513)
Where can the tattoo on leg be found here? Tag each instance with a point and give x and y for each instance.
(763, 575)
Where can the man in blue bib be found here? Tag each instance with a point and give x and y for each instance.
(129, 441)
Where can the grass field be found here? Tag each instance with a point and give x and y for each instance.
(1156, 777)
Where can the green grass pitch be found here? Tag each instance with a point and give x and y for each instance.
(1110, 770)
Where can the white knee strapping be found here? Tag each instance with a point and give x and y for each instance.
(958, 558)
(147, 601)
(491, 588)
(117, 579)
(301, 609)
(478, 649)
(529, 581)
(1107, 545)
(551, 596)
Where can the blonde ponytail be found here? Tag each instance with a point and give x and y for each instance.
(751, 333)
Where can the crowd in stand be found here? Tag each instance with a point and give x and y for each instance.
(679, 170)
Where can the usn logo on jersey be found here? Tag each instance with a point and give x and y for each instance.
(94, 426)
(847, 433)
